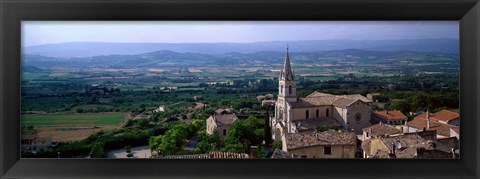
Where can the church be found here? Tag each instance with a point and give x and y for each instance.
(298, 115)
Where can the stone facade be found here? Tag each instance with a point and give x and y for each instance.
(352, 112)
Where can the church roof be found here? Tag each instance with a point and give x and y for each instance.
(322, 99)
(287, 72)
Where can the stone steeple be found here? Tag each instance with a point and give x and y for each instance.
(287, 73)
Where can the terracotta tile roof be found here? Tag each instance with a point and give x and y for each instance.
(224, 119)
(381, 130)
(443, 115)
(311, 124)
(390, 115)
(300, 140)
(442, 129)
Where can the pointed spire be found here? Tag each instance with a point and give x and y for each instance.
(287, 68)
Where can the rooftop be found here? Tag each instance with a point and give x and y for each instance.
(442, 129)
(311, 124)
(443, 115)
(320, 99)
(224, 119)
(390, 115)
(331, 137)
(381, 130)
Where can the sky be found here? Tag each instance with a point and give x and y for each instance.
(52, 32)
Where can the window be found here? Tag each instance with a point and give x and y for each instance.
(224, 132)
(358, 117)
(306, 114)
(303, 156)
(327, 112)
(290, 89)
(281, 89)
(327, 150)
(317, 113)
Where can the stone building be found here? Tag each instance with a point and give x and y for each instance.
(379, 130)
(443, 116)
(351, 112)
(220, 124)
(410, 145)
(328, 144)
(389, 117)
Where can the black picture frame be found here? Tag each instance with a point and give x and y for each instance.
(12, 12)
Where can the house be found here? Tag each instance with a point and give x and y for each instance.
(327, 144)
(223, 111)
(379, 130)
(389, 117)
(220, 124)
(372, 95)
(199, 105)
(33, 143)
(443, 116)
(410, 145)
(260, 98)
(443, 130)
(161, 108)
(196, 98)
(268, 102)
(269, 96)
(351, 111)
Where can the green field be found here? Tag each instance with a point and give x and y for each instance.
(89, 119)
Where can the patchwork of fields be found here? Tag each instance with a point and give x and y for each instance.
(71, 127)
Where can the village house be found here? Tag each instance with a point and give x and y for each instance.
(328, 144)
(372, 95)
(196, 98)
(443, 130)
(161, 108)
(33, 143)
(409, 145)
(268, 103)
(379, 130)
(443, 116)
(269, 96)
(389, 117)
(260, 98)
(223, 111)
(199, 105)
(220, 124)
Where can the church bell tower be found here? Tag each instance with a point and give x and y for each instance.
(287, 89)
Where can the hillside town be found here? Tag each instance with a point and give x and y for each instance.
(319, 125)
(323, 125)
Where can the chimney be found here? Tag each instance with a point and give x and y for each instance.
(386, 112)
(453, 152)
(393, 148)
(428, 119)
(253, 151)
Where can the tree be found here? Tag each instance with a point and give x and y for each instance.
(277, 144)
(97, 151)
(79, 110)
(268, 134)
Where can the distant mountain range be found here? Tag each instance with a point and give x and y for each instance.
(91, 49)
(167, 58)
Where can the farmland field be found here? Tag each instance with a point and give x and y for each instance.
(97, 119)
(71, 127)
